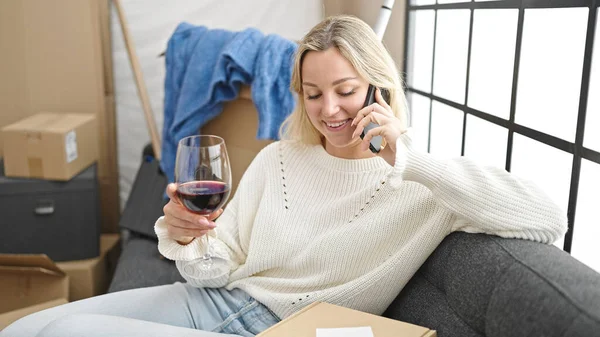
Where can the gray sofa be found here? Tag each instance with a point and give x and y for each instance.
(472, 285)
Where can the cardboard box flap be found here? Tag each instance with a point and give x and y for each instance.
(35, 123)
(22, 289)
(68, 122)
(27, 271)
(32, 262)
(50, 122)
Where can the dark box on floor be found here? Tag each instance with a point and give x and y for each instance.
(56, 218)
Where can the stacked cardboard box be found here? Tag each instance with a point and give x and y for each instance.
(49, 187)
(50, 146)
(56, 57)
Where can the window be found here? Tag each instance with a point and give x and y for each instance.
(509, 83)
(423, 46)
(547, 92)
(492, 64)
(485, 142)
(450, 59)
(592, 124)
(446, 130)
(585, 246)
(419, 121)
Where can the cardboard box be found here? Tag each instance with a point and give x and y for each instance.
(56, 56)
(326, 316)
(7, 318)
(27, 280)
(91, 277)
(108, 174)
(31, 282)
(52, 58)
(242, 145)
(50, 146)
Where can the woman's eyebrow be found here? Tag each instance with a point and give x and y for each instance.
(333, 83)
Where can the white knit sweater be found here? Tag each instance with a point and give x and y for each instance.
(305, 226)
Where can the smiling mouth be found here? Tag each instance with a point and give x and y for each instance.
(337, 125)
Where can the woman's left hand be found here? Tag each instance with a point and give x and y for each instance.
(390, 127)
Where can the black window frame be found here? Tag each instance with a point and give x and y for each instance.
(576, 148)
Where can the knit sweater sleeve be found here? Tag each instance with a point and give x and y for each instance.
(483, 199)
(225, 240)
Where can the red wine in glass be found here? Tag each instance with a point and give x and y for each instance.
(203, 178)
(203, 197)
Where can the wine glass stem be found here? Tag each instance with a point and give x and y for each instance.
(207, 253)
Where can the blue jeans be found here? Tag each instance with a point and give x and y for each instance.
(170, 310)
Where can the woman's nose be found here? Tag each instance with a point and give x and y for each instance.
(330, 107)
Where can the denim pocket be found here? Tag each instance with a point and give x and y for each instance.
(251, 320)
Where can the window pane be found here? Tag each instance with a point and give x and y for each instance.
(451, 48)
(422, 2)
(587, 223)
(550, 70)
(419, 113)
(548, 167)
(486, 142)
(592, 120)
(421, 50)
(492, 60)
(451, 1)
(446, 130)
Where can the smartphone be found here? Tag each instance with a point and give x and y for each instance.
(375, 144)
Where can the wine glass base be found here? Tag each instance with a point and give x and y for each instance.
(212, 267)
(218, 269)
(206, 263)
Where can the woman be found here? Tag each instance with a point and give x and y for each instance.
(317, 216)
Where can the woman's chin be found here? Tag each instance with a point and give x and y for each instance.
(347, 144)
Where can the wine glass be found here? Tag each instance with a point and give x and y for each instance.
(203, 178)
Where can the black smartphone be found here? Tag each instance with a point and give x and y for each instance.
(375, 144)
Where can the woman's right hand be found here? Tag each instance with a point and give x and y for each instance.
(183, 225)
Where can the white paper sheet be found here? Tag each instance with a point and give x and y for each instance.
(363, 331)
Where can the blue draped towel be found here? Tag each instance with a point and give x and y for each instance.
(206, 67)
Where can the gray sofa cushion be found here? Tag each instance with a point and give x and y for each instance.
(141, 265)
(482, 285)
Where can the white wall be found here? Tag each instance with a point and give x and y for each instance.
(368, 10)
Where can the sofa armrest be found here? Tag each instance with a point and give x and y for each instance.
(483, 285)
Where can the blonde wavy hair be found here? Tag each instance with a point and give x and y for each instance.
(357, 42)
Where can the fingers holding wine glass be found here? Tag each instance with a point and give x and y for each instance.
(215, 215)
(184, 230)
(183, 225)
